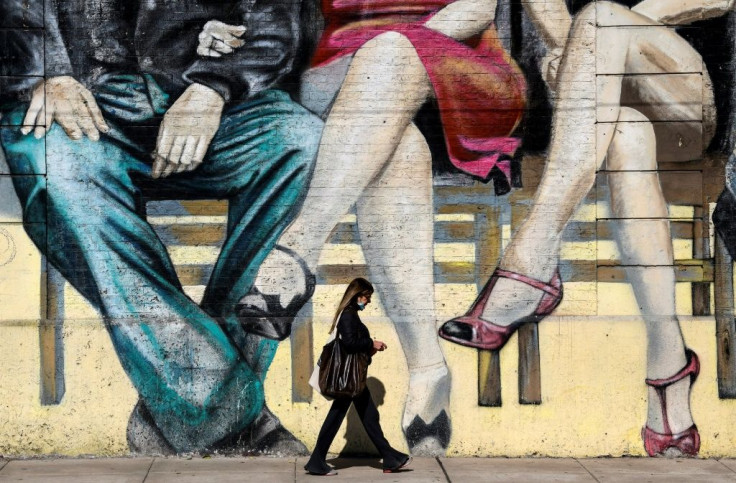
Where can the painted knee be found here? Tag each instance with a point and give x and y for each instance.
(634, 144)
(384, 47)
(80, 171)
(305, 134)
(585, 18)
(610, 13)
(298, 139)
(391, 58)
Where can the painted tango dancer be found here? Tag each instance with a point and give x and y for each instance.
(527, 287)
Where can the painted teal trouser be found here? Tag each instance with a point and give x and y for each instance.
(195, 368)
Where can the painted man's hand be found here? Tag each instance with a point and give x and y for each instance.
(219, 38)
(66, 101)
(187, 130)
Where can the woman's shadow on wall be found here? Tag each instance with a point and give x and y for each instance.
(358, 444)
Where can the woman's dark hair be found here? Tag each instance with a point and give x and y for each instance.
(356, 288)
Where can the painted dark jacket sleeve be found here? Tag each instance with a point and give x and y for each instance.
(353, 333)
(57, 57)
(272, 41)
(30, 45)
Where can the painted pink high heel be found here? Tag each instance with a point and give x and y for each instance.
(688, 441)
(472, 331)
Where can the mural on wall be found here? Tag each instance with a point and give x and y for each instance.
(297, 116)
(606, 122)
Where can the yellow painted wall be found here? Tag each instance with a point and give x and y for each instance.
(594, 398)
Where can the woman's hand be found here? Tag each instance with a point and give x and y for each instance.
(379, 346)
(219, 38)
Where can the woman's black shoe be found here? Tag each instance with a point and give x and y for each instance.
(328, 472)
(402, 466)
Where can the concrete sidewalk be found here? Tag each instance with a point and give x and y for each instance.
(263, 469)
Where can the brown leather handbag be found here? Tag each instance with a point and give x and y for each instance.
(342, 374)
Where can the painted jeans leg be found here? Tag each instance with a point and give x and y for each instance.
(196, 385)
(262, 159)
(269, 143)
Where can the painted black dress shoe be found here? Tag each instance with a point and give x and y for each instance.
(265, 436)
(269, 318)
(143, 435)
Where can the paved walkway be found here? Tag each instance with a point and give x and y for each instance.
(242, 469)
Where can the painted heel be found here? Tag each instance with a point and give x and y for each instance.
(688, 441)
(472, 331)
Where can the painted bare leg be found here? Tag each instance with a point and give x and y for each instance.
(397, 240)
(568, 176)
(385, 86)
(643, 236)
(583, 99)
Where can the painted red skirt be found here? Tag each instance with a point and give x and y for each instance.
(479, 89)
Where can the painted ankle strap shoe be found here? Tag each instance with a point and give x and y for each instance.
(472, 331)
(274, 322)
(688, 441)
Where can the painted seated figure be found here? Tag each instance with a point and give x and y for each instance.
(611, 90)
(128, 111)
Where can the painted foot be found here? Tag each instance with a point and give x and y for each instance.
(674, 433)
(270, 307)
(472, 330)
(267, 436)
(143, 435)
(426, 423)
(429, 440)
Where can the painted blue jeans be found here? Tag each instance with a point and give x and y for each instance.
(196, 370)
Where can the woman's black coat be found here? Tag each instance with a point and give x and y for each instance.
(353, 333)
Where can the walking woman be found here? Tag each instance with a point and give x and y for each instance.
(355, 338)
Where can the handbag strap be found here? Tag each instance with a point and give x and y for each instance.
(337, 321)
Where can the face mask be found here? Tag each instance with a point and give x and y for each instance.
(361, 305)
